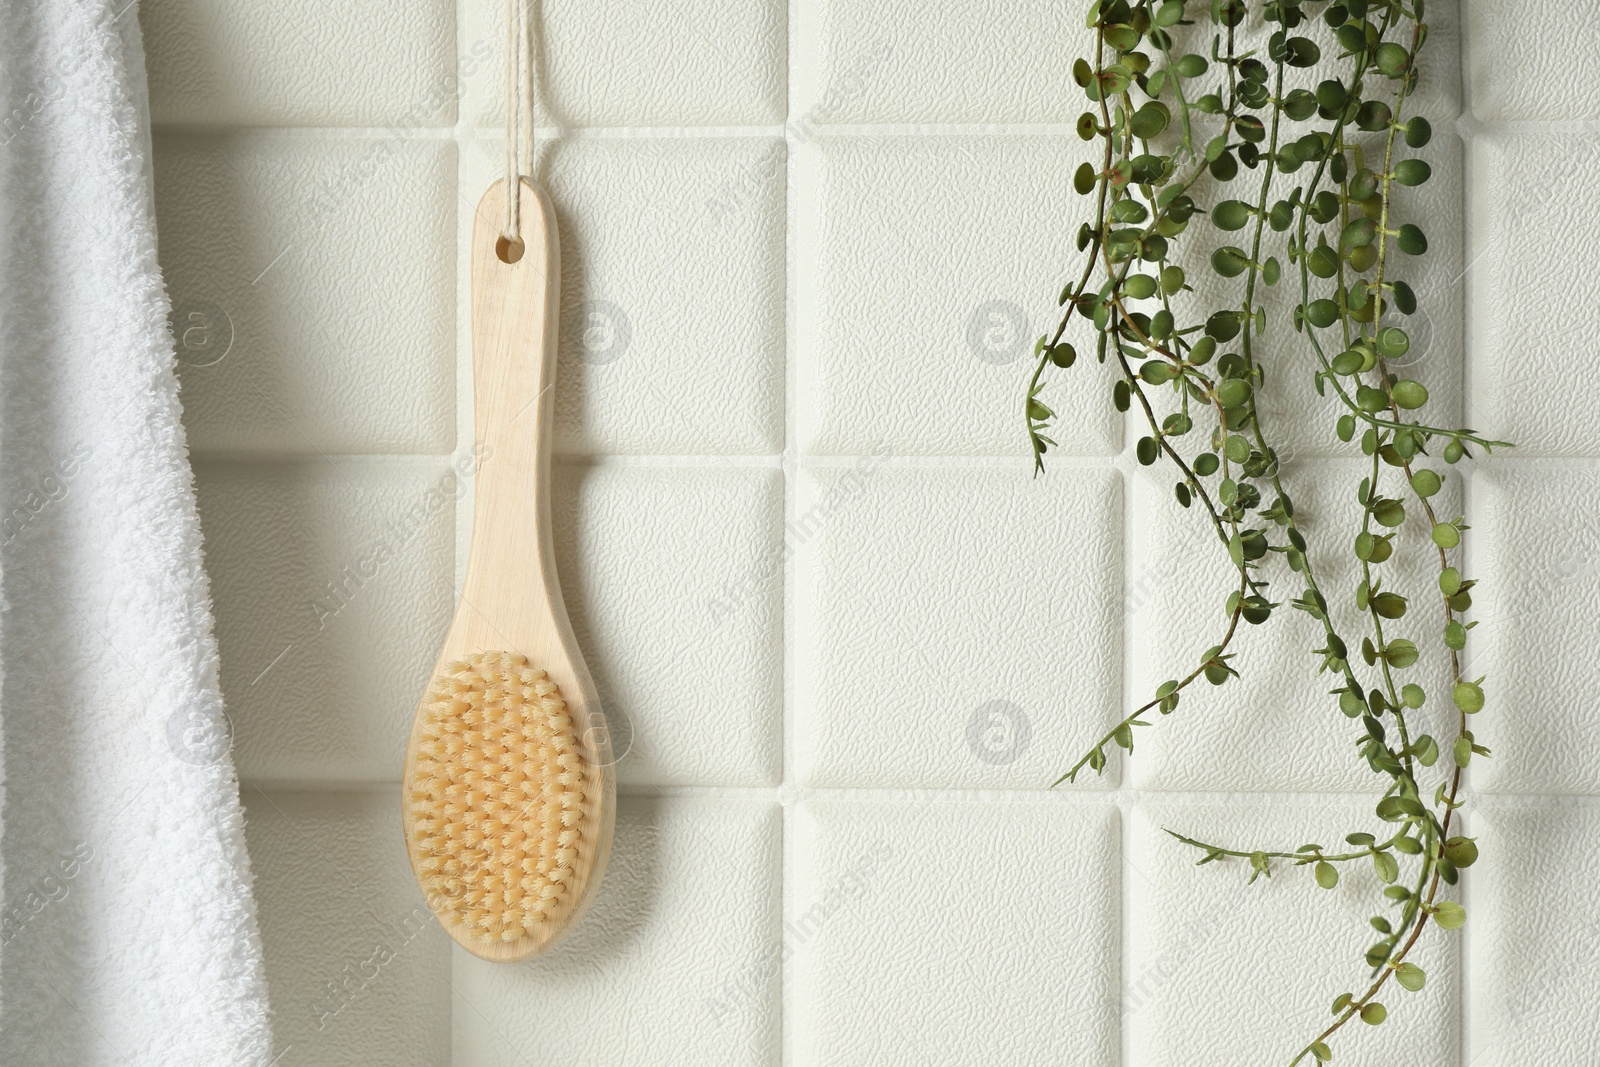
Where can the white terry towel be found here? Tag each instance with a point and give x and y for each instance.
(128, 934)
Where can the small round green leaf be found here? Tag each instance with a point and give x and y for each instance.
(1157, 372)
(1412, 241)
(1371, 400)
(1393, 59)
(1358, 234)
(1322, 313)
(1392, 342)
(1234, 393)
(1230, 262)
(1409, 394)
(1323, 261)
(1412, 172)
(1410, 976)
(1426, 482)
(1461, 851)
(1151, 119)
(1139, 286)
(1469, 697)
(1405, 298)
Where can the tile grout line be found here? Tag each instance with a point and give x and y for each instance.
(1066, 799)
(1126, 800)
(466, 428)
(463, 132)
(788, 877)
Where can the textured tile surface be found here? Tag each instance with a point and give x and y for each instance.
(1540, 619)
(379, 63)
(672, 308)
(333, 586)
(953, 932)
(311, 317)
(932, 650)
(807, 248)
(921, 335)
(1273, 727)
(674, 582)
(1534, 934)
(358, 969)
(617, 63)
(1219, 973)
(1514, 366)
(671, 966)
(864, 62)
(1521, 66)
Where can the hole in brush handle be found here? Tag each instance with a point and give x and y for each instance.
(509, 249)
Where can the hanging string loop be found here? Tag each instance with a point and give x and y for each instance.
(519, 111)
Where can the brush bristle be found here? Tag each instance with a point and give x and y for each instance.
(496, 795)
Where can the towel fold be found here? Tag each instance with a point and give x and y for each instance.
(128, 934)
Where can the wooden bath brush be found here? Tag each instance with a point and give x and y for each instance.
(509, 799)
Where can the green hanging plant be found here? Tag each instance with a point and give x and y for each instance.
(1177, 128)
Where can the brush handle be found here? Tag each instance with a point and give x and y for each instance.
(514, 335)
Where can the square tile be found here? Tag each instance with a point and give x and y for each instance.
(1535, 542)
(690, 898)
(616, 63)
(1513, 281)
(1533, 933)
(953, 932)
(861, 62)
(333, 586)
(1220, 973)
(928, 269)
(312, 283)
(232, 62)
(1275, 727)
(955, 627)
(672, 292)
(1523, 67)
(674, 581)
(358, 968)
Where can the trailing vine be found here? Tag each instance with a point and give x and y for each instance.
(1175, 128)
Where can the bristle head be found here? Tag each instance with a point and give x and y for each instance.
(496, 796)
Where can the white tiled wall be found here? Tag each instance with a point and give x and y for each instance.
(846, 640)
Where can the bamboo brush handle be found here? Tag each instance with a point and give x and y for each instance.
(514, 337)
